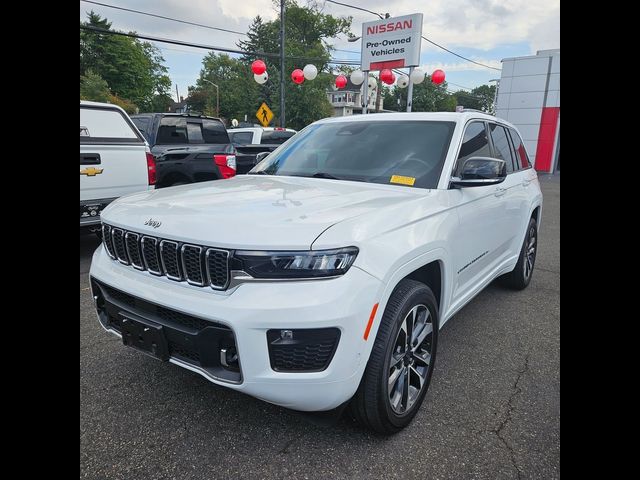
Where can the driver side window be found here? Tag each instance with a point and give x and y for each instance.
(475, 143)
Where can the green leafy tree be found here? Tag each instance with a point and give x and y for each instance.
(427, 97)
(133, 70)
(93, 87)
(308, 30)
(480, 98)
(238, 92)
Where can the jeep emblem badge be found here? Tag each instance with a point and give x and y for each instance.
(153, 223)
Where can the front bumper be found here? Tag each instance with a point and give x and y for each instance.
(251, 309)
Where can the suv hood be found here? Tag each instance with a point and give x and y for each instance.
(252, 211)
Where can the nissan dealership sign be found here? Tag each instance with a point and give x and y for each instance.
(392, 42)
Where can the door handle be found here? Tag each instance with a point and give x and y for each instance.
(525, 183)
(500, 191)
(90, 159)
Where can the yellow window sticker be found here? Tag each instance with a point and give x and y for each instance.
(403, 180)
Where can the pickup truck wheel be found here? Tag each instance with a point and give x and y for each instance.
(399, 370)
(520, 277)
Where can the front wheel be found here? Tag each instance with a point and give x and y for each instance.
(399, 370)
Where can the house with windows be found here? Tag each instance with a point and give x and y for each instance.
(348, 100)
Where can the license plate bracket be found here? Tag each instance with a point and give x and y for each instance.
(144, 335)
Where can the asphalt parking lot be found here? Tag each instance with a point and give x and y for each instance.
(492, 411)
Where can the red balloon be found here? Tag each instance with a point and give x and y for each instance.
(341, 81)
(258, 67)
(387, 76)
(297, 76)
(437, 77)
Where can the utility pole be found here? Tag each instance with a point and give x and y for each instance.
(282, 117)
(378, 94)
(410, 91)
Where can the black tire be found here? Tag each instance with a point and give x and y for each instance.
(372, 406)
(520, 277)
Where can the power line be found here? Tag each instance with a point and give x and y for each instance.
(357, 8)
(458, 85)
(210, 47)
(460, 56)
(165, 18)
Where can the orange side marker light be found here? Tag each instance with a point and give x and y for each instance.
(370, 323)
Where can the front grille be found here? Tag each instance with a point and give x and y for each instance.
(198, 265)
(308, 350)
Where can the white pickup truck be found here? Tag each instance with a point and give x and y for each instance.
(114, 160)
(322, 277)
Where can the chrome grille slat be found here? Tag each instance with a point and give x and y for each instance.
(107, 240)
(117, 235)
(132, 243)
(217, 265)
(170, 259)
(150, 255)
(194, 273)
(198, 265)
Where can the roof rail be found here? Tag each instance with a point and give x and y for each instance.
(473, 110)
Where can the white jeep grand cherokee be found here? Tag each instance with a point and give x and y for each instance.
(323, 276)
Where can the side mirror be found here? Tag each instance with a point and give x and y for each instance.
(261, 156)
(480, 172)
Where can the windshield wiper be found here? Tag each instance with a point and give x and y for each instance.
(260, 172)
(324, 175)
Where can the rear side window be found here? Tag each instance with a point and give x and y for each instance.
(521, 153)
(475, 143)
(276, 137)
(213, 131)
(172, 130)
(143, 125)
(241, 138)
(501, 145)
(105, 125)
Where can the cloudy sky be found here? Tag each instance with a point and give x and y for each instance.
(484, 30)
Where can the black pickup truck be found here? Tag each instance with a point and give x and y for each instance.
(188, 148)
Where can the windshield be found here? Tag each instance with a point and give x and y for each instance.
(409, 153)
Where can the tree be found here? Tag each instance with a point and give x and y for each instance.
(427, 97)
(307, 31)
(93, 87)
(480, 98)
(133, 70)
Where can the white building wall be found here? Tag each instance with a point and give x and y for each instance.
(528, 84)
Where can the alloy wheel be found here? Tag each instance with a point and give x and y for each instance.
(410, 359)
(530, 252)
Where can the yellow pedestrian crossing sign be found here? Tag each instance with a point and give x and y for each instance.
(264, 114)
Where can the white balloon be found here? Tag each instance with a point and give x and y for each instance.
(403, 81)
(417, 76)
(310, 72)
(357, 77)
(262, 78)
(372, 83)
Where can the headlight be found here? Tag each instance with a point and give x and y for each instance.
(300, 264)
